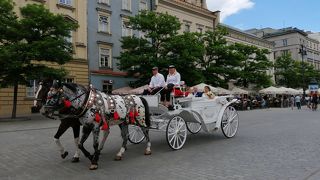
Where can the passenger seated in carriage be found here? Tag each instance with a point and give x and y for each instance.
(193, 92)
(156, 84)
(173, 80)
(208, 93)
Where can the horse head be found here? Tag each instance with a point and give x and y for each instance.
(64, 99)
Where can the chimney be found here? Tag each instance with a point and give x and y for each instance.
(204, 4)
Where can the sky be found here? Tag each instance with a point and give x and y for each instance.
(247, 14)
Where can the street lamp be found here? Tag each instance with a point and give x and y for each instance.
(303, 52)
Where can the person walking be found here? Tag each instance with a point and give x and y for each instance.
(298, 101)
(292, 102)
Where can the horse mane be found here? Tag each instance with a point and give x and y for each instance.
(71, 86)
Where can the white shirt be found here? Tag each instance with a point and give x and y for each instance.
(174, 79)
(157, 81)
(298, 99)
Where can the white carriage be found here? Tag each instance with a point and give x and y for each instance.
(190, 114)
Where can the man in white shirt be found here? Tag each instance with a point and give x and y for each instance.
(173, 80)
(156, 84)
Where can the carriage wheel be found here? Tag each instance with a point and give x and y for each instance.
(230, 122)
(176, 133)
(194, 128)
(136, 135)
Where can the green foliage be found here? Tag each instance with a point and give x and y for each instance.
(294, 74)
(38, 36)
(160, 46)
(198, 57)
(254, 65)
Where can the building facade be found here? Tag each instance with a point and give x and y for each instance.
(73, 10)
(193, 14)
(107, 24)
(292, 40)
(238, 36)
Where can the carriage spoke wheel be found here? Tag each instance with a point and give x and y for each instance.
(176, 132)
(194, 128)
(230, 122)
(136, 135)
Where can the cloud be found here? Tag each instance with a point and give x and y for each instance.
(229, 7)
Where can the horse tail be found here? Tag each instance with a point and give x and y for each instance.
(147, 111)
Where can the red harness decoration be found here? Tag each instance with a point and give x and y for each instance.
(97, 118)
(136, 114)
(116, 115)
(131, 117)
(67, 103)
(104, 126)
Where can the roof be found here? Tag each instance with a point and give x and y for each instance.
(244, 33)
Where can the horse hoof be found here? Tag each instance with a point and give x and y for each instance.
(118, 158)
(93, 167)
(64, 155)
(147, 153)
(75, 159)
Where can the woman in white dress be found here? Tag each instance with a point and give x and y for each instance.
(208, 93)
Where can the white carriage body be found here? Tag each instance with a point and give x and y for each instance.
(192, 114)
(207, 112)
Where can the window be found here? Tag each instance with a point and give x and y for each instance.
(199, 28)
(105, 57)
(107, 86)
(104, 1)
(143, 5)
(68, 80)
(285, 42)
(31, 88)
(126, 4)
(285, 52)
(104, 24)
(187, 27)
(126, 30)
(66, 2)
(69, 39)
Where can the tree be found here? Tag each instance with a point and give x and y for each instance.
(254, 65)
(219, 63)
(293, 73)
(27, 42)
(286, 72)
(160, 46)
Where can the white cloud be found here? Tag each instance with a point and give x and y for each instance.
(229, 7)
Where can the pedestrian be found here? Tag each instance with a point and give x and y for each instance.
(292, 101)
(298, 101)
(314, 102)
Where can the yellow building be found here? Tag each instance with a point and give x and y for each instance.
(193, 14)
(73, 10)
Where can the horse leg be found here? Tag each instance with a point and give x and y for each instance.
(124, 134)
(105, 135)
(95, 158)
(86, 130)
(62, 129)
(146, 134)
(76, 133)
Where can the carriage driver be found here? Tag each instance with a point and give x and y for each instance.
(156, 84)
(173, 80)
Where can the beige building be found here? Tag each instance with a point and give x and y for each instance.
(193, 14)
(292, 40)
(73, 10)
(238, 36)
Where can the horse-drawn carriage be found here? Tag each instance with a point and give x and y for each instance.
(190, 114)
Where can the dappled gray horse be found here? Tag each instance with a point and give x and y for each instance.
(97, 110)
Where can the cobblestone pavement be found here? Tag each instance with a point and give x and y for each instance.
(270, 144)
